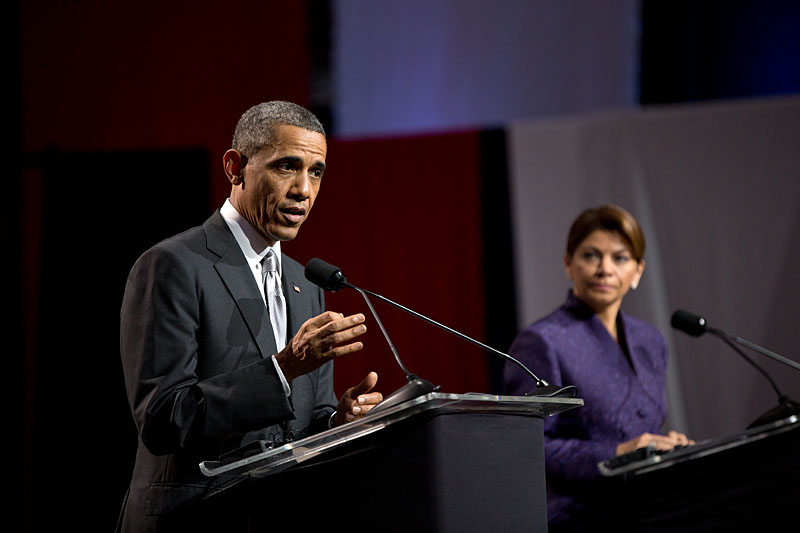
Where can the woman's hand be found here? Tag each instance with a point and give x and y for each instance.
(660, 442)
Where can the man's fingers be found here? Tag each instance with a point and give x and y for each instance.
(320, 320)
(366, 385)
(339, 351)
(340, 324)
(324, 332)
(369, 399)
(319, 340)
(346, 335)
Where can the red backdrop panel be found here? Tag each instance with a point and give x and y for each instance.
(402, 218)
(101, 75)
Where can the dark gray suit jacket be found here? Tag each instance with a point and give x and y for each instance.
(196, 345)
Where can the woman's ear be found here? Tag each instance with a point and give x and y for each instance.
(638, 277)
(567, 264)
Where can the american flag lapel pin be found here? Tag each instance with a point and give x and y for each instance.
(295, 287)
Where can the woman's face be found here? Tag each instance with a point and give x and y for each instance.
(602, 270)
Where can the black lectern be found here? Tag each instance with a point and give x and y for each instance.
(745, 482)
(441, 462)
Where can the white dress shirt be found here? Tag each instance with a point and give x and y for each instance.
(255, 248)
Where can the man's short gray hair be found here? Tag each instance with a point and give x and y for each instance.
(257, 125)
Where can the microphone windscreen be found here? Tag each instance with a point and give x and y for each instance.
(689, 323)
(325, 275)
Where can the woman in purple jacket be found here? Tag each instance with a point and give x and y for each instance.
(617, 362)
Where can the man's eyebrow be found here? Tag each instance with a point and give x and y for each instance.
(295, 160)
(287, 159)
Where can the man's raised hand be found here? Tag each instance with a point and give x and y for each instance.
(319, 340)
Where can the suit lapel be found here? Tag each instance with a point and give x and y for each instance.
(294, 285)
(238, 279)
(641, 370)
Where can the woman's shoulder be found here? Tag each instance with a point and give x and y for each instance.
(552, 325)
(636, 324)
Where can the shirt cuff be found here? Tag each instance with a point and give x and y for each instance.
(286, 388)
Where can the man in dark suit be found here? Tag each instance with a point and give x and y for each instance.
(223, 341)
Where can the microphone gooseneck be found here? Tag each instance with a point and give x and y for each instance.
(331, 278)
(696, 325)
(409, 375)
(542, 386)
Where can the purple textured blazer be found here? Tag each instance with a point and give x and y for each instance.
(623, 394)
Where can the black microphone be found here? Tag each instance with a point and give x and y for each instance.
(696, 325)
(325, 275)
(689, 323)
(331, 278)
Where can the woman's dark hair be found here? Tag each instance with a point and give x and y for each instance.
(610, 218)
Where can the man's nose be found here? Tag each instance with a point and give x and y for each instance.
(301, 186)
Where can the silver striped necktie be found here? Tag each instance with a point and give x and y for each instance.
(275, 301)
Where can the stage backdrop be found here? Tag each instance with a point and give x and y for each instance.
(421, 66)
(717, 190)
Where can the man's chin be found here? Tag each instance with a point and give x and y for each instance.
(283, 233)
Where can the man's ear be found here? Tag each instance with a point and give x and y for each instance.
(234, 162)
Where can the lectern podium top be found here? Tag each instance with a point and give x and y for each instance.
(272, 460)
(646, 460)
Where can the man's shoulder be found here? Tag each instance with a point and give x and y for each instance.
(213, 228)
(193, 242)
(186, 243)
(187, 236)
